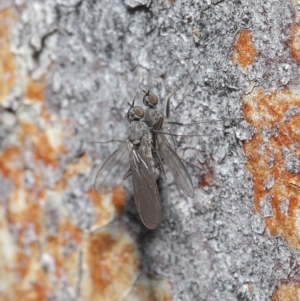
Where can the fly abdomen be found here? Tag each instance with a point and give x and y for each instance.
(148, 151)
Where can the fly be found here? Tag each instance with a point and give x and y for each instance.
(154, 120)
(136, 151)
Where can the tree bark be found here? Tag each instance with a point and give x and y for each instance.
(67, 69)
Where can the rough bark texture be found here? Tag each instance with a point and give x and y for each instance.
(67, 69)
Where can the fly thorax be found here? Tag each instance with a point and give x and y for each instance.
(152, 116)
(147, 134)
(135, 132)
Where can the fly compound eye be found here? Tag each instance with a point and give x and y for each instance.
(153, 100)
(149, 99)
(139, 112)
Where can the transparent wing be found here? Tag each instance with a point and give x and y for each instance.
(178, 170)
(144, 184)
(112, 171)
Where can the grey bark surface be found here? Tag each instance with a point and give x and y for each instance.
(105, 52)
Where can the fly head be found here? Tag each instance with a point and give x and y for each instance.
(150, 99)
(134, 113)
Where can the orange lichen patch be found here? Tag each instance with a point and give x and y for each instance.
(207, 177)
(38, 291)
(45, 147)
(95, 197)
(44, 151)
(27, 130)
(48, 143)
(46, 140)
(68, 232)
(22, 265)
(73, 169)
(244, 51)
(35, 91)
(101, 247)
(37, 192)
(11, 164)
(106, 206)
(30, 283)
(7, 60)
(118, 198)
(295, 42)
(205, 180)
(277, 136)
(45, 114)
(150, 289)
(102, 207)
(23, 213)
(7, 254)
(286, 292)
(166, 297)
(63, 247)
(112, 265)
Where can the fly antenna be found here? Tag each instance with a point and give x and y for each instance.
(132, 104)
(147, 91)
(190, 74)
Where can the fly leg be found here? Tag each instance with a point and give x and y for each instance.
(159, 162)
(168, 116)
(156, 156)
(127, 174)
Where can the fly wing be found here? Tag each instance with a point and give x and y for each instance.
(110, 174)
(144, 183)
(178, 170)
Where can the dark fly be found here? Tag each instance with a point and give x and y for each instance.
(154, 119)
(137, 152)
